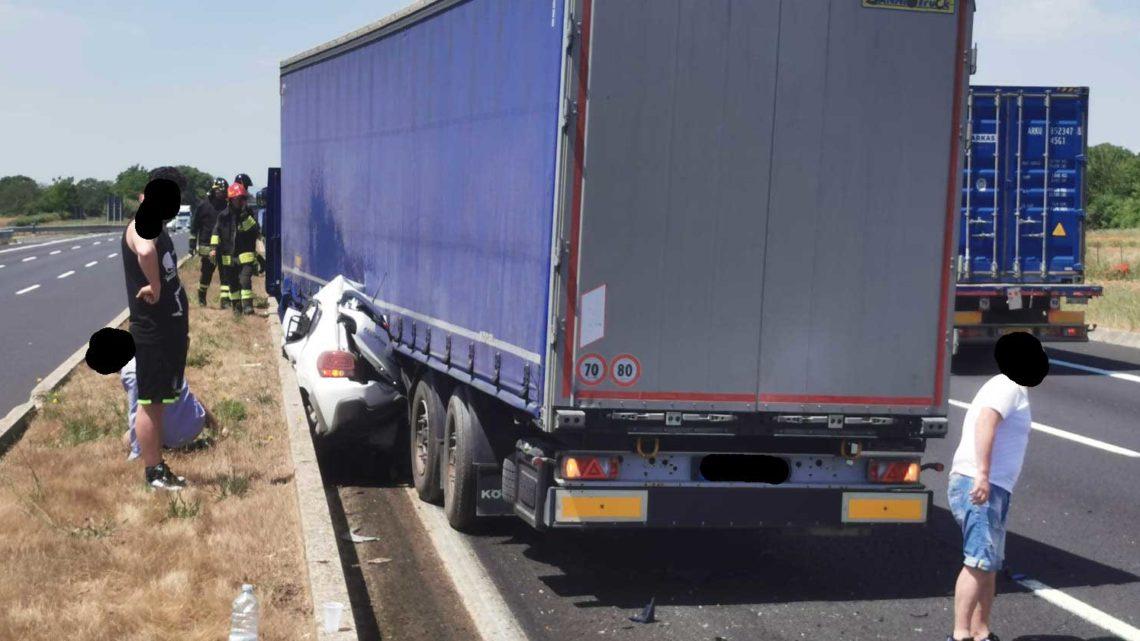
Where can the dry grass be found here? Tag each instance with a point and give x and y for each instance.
(90, 553)
(1112, 258)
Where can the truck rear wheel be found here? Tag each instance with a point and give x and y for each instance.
(426, 421)
(460, 477)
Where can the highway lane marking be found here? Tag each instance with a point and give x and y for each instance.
(1080, 608)
(91, 263)
(27, 289)
(44, 244)
(1076, 438)
(1096, 370)
(75, 246)
(98, 242)
(112, 254)
(486, 607)
(3, 266)
(54, 252)
(66, 274)
(24, 260)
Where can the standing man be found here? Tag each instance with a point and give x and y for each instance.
(985, 470)
(159, 317)
(201, 226)
(235, 242)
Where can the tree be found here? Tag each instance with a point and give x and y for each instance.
(198, 183)
(18, 194)
(60, 196)
(130, 182)
(1113, 183)
(92, 196)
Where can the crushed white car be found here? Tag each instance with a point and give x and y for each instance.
(344, 367)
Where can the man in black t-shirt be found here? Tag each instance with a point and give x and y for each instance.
(160, 327)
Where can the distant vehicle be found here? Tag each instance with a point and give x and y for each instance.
(714, 294)
(1021, 233)
(181, 221)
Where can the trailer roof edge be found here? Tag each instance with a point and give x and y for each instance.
(393, 21)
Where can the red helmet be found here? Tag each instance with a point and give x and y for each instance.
(237, 190)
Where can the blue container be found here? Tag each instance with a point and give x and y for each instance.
(1023, 189)
(419, 163)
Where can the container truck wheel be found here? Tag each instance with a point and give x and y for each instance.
(460, 476)
(427, 420)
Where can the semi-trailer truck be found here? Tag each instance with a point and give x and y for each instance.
(643, 264)
(1022, 226)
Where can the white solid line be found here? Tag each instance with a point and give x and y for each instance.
(27, 289)
(112, 254)
(1082, 609)
(24, 260)
(91, 263)
(1077, 438)
(54, 252)
(75, 246)
(1096, 370)
(486, 607)
(66, 274)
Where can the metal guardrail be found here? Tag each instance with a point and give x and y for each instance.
(56, 229)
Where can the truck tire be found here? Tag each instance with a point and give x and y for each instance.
(426, 419)
(460, 476)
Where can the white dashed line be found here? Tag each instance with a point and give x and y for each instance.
(1081, 609)
(75, 246)
(24, 260)
(54, 252)
(27, 289)
(66, 274)
(112, 254)
(91, 263)
(2, 266)
(1076, 438)
(1096, 370)
(98, 242)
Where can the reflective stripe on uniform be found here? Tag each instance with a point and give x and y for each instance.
(169, 401)
(225, 292)
(203, 251)
(143, 401)
(247, 224)
(246, 258)
(246, 294)
(227, 260)
(214, 240)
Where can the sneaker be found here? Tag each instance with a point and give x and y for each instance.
(990, 637)
(160, 477)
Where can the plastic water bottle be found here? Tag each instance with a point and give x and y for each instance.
(243, 625)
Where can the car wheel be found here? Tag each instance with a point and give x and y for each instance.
(426, 430)
(460, 479)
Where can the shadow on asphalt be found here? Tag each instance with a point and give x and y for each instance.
(625, 568)
(979, 361)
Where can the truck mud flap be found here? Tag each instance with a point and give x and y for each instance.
(524, 487)
(489, 488)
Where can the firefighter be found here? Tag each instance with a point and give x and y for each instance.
(201, 227)
(234, 241)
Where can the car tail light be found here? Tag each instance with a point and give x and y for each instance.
(336, 364)
(590, 467)
(893, 471)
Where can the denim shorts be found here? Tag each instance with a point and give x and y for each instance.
(983, 526)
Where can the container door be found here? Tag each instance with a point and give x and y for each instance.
(980, 226)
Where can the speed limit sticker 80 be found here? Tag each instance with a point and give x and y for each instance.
(591, 369)
(625, 370)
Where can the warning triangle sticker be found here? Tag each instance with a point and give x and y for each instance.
(1059, 230)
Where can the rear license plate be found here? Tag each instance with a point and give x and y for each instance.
(1010, 330)
(884, 507)
(600, 506)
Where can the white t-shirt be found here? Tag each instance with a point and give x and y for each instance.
(1012, 435)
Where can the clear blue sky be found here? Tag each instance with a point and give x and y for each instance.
(87, 88)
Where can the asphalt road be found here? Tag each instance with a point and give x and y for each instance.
(1074, 527)
(54, 294)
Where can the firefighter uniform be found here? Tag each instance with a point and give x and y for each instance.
(201, 227)
(235, 241)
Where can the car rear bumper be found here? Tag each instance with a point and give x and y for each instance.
(350, 408)
(732, 507)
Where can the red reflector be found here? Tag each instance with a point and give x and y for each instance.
(589, 467)
(336, 364)
(892, 471)
(1072, 331)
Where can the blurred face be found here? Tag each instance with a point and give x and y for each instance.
(238, 204)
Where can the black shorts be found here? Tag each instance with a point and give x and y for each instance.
(159, 368)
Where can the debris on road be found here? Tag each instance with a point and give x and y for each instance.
(353, 537)
(646, 615)
(377, 561)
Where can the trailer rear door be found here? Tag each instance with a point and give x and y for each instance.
(760, 211)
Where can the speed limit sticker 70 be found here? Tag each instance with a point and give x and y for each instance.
(591, 369)
(625, 370)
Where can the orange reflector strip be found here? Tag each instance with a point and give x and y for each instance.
(574, 507)
(1066, 317)
(967, 318)
(884, 508)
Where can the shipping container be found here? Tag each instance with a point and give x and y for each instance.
(651, 254)
(1022, 225)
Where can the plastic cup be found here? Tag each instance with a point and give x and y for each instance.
(332, 611)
